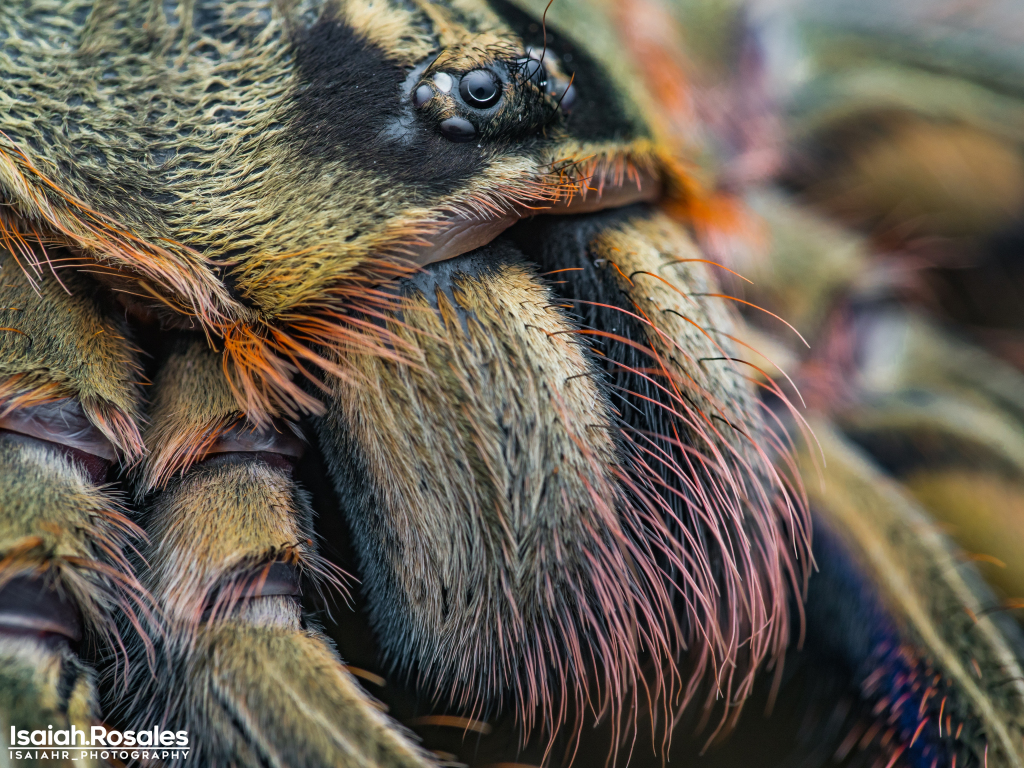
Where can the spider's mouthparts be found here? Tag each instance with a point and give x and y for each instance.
(606, 188)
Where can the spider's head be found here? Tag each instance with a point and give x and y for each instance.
(263, 172)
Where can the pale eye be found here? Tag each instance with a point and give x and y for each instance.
(422, 95)
(457, 129)
(480, 88)
(443, 81)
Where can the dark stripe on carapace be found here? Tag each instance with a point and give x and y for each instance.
(350, 108)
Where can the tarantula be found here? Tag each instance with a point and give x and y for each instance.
(460, 262)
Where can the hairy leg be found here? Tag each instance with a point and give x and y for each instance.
(69, 403)
(251, 680)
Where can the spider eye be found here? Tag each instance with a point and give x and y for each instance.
(457, 129)
(533, 71)
(480, 88)
(422, 95)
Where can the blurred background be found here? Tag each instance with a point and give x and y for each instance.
(877, 151)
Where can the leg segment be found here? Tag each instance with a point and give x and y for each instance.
(69, 403)
(231, 544)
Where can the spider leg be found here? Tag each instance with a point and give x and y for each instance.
(241, 670)
(69, 404)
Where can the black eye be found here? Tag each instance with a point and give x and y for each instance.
(480, 88)
(533, 71)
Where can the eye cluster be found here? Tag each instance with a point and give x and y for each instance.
(502, 99)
